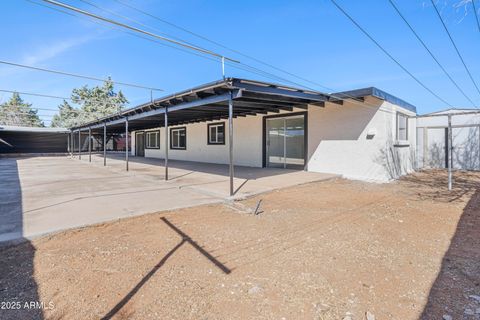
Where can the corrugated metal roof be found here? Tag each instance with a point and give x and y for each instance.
(32, 129)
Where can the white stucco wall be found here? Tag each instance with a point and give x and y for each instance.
(337, 141)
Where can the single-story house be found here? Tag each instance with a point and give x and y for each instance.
(361, 134)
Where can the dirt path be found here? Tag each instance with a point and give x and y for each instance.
(326, 250)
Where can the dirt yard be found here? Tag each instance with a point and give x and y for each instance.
(327, 250)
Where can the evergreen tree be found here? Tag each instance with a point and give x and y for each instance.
(16, 112)
(96, 102)
(66, 117)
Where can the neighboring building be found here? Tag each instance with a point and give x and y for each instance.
(361, 134)
(18, 140)
(432, 139)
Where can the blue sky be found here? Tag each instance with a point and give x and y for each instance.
(309, 38)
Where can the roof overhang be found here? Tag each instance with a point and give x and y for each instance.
(210, 102)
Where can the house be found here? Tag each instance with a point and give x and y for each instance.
(432, 139)
(361, 134)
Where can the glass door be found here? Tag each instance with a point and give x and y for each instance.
(276, 143)
(285, 142)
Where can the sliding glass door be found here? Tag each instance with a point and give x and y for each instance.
(285, 142)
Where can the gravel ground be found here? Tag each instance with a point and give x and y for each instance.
(329, 250)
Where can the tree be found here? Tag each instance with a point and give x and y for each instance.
(66, 117)
(16, 112)
(96, 102)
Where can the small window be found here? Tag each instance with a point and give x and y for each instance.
(178, 138)
(152, 140)
(216, 133)
(402, 127)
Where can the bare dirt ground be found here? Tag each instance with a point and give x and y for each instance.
(328, 250)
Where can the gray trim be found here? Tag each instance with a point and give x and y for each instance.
(377, 93)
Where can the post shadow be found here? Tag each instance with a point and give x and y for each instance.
(139, 285)
(17, 279)
(459, 276)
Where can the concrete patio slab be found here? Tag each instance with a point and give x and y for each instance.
(40, 195)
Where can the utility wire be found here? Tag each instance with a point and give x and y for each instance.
(430, 52)
(247, 67)
(178, 43)
(238, 65)
(232, 50)
(476, 14)
(76, 75)
(135, 21)
(454, 45)
(35, 94)
(387, 53)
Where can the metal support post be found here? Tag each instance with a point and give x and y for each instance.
(104, 144)
(89, 144)
(126, 144)
(230, 140)
(166, 143)
(79, 145)
(450, 152)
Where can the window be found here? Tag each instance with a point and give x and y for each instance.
(216, 133)
(402, 127)
(152, 140)
(178, 138)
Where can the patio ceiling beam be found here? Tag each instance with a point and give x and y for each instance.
(279, 91)
(275, 99)
(181, 106)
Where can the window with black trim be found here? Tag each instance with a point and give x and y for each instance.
(216, 133)
(152, 140)
(178, 138)
(402, 126)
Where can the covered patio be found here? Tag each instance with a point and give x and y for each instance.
(225, 99)
(49, 194)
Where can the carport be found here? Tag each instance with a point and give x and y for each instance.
(225, 99)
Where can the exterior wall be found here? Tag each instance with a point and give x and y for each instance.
(247, 146)
(339, 141)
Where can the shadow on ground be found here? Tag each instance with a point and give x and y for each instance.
(18, 289)
(459, 277)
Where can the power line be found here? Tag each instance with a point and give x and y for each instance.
(56, 97)
(246, 67)
(455, 46)
(135, 21)
(35, 94)
(476, 14)
(123, 25)
(76, 75)
(429, 51)
(229, 49)
(240, 65)
(387, 53)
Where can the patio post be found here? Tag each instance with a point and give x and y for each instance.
(71, 144)
(79, 144)
(104, 144)
(69, 148)
(450, 153)
(166, 143)
(89, 144)
(126, 143)
(230, 140)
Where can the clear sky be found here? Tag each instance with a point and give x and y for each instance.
(311, 39)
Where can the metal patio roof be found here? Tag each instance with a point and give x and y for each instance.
(210, 102)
